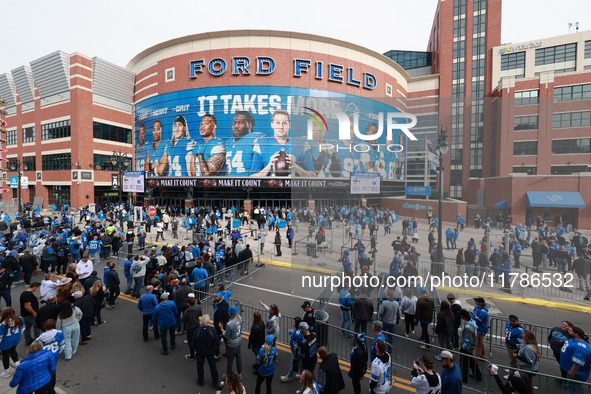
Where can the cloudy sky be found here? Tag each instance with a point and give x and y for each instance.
(117, 30)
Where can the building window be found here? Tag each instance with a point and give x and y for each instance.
(477, 68)
(528, 97)
(59, 195)
(111, 133)
(571, 93)
(11, 138)
(410, 59)
(458, 70)
(525, 148)
(571, 119)
(51, 131)
(460, 27)
(29, 163)
(529, 122)
(478, 46)
(567, 170)
(459, 7)
(479, 5)
(580, 145)
(28, 134)
(479, 25)
(557, 54)
(478, 89)
(512, 61)
(587, 49)
(529, 170)
(459, 49)
(12, 162)
(103, 163)
(57, 162)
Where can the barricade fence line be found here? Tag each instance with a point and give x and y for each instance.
(332, 337)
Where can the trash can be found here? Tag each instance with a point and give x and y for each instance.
(321, 327)
(311, 249)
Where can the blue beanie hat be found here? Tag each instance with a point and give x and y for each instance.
(270, 338)
(233, 311)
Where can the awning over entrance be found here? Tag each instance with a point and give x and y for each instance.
(501, 204)
(555, 199)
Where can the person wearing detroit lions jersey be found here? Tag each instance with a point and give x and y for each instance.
(178, 153)
(141, 149)
(266, 150)
(239, 150)
(208, 157)
(379, 381)
(155, 152)
(391, 160)
(323, 154)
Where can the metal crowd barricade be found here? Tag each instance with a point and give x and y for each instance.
(496, 333)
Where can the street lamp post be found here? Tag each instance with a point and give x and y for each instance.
(442, 148)
(17, 166)
(120, 160)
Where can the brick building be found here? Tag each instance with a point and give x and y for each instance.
(66, 114)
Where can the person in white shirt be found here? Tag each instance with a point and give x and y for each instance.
(159, 230)
(424, 380)
(48, 287)
(379, 381)
(84, 268)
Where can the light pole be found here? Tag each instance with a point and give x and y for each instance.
(16, 166)
(442, 148)
(120, 160)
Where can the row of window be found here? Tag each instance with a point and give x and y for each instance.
(587, 50)
(57, 162)
(571, 93)
(559, 121)
(557, 54)
(554, 170)
(511, 61)
(28, 136)
(559, 147)
(51, 131)
(29, 163)
(103, 163)
(111, 133)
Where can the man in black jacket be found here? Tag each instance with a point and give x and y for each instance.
(362, 312)
(456, 308)
(308, 348)
(112, 283)
(220, 316)
(86, 305)
(48, 311)
(359, 359)
(6, 279)
(244, 258)
(333, 378)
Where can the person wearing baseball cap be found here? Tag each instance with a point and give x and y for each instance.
(451, 377)
(233, 338)
(480, 316)
(377, 326)
(308, 348)
(347, 267)
(309, 316)
(513, 338)
(456, 308)
(266, 360)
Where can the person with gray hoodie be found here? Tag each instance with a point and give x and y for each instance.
(468, 344)
(233, 338)
(389, 314)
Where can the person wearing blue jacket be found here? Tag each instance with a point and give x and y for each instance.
(147, 304)
(128, 274)
(468, 344)
(480, 316)
(345, 303)
(449, 236)
(165, 318)
(11, 328)
(451, 377)
(513, 338)
(35, 371)
(54, 341)
(266, 359)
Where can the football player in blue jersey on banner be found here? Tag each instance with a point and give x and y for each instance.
(208, 157)
(239, 150)
(141, 150)
(348, 157)
(177, 156)
(267, 150)
(155, 152)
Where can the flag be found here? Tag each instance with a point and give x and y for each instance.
(432, 155)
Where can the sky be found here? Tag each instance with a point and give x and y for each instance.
(117, 30)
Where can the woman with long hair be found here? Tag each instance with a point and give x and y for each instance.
(68, 319)
(256, 339)
(141, 238)
(516, 383)
(309, 386)
(234, 384)
(529, 353)
(445, 326)
(272, 325)
(266, 359)
(544, 252)
(408, 306)
(97, 292)
(11, 328)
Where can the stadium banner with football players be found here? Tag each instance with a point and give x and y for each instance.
(268, 132)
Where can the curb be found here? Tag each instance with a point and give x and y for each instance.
(530, 301)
